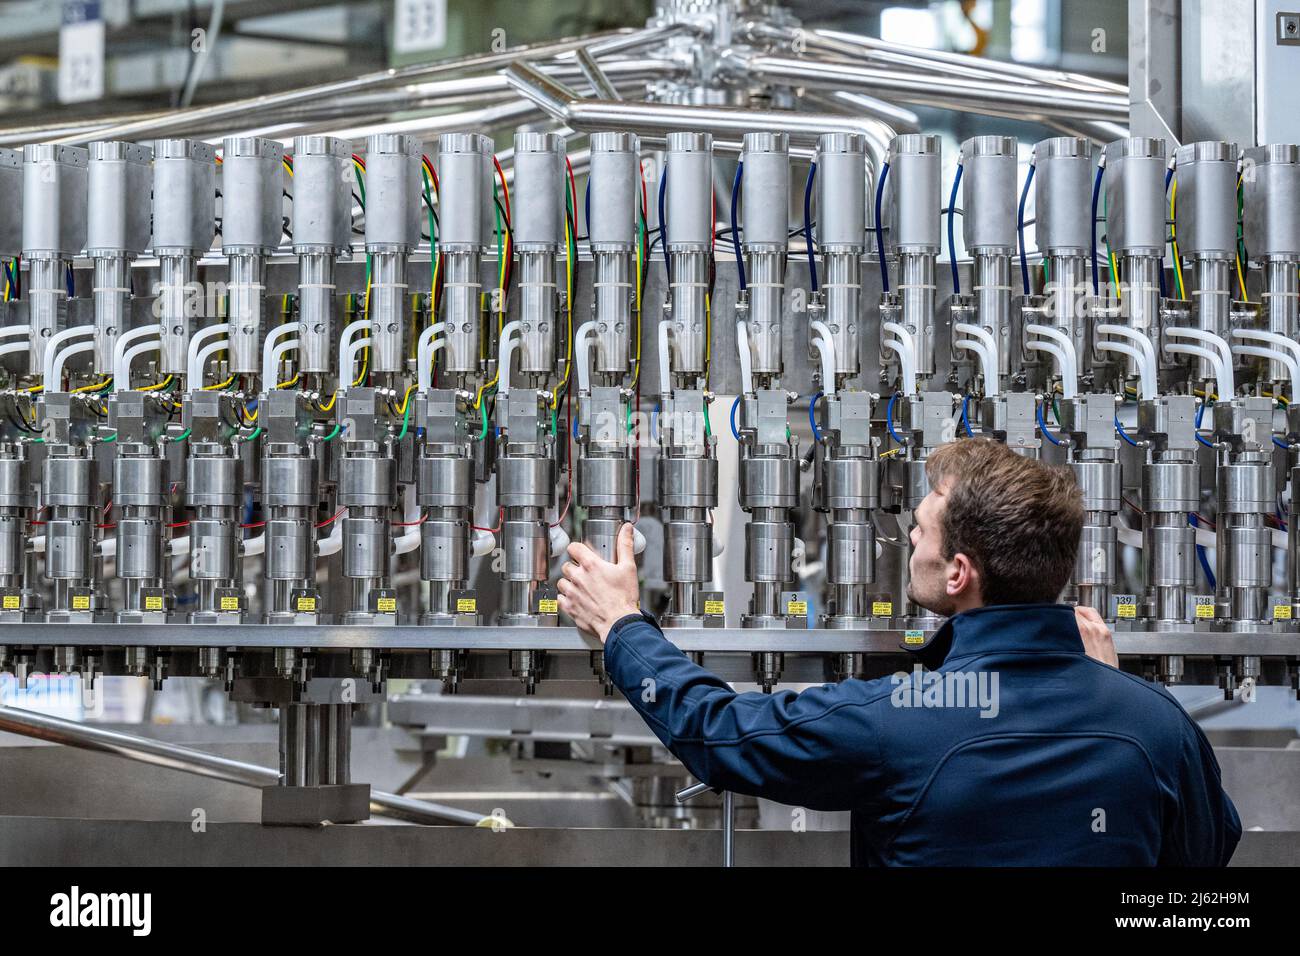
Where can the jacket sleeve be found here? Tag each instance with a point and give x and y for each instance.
(817, 749)
(1205, 828)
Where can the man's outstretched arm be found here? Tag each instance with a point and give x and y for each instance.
(817, 749)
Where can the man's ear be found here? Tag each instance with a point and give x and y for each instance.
(963, 578)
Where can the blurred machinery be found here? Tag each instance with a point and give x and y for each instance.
(351, 439)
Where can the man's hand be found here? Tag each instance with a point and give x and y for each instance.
(1097, 641)
(596, 593)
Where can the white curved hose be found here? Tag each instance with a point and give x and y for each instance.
(269, 360)
(665, 363)
(52, 350)
(1222, 376)
(349, 364)
(1275, 339)
(10, 331)
(1220, 348)
(1069, 384)
(482, 543)
(120, 383)
(1069, 367)
(825, 345)
(345, 338)
(1139, 339)
(200, 360)
(1146, 381)
(61, 359)
(989, 353)
(277, 353)
(506, 346)
(582, 355)
(15, 348)
(131, 355)
(332, 543)
(746, 358)
(424, 356)
(904, 344)
(194, 364)
(1292, 366)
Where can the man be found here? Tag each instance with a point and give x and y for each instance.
(1023, 746)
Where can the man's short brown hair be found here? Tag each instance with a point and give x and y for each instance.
(1017, 519)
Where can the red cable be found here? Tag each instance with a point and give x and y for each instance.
(332, 519)
(408, 524)
(254, 524)
(501, 516)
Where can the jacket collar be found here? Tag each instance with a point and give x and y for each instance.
(1003, 628)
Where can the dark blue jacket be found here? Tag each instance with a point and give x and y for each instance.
(1017, 749)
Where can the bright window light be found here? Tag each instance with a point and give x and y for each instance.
(910, 26)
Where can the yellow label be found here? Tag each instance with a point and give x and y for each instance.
(466, 605)
(1127, 610)
(1281, 612)
(796, 607)
(386, 605)
(12, 602)
(914, 637)
(153, 602)
(1204, 610)
(548, 606)
(306, 604)
(230, 604)
(882, 608)
(715, 607)
(81, 602)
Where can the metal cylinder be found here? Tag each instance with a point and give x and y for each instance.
(393, 214)
(462, 229)
(688, 237)
(117, 230)
(322, 230)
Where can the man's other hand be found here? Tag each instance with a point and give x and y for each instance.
(596, 593)
(1097, 642)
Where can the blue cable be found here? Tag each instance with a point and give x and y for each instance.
(952, 242)
(654, 423)
(1020, 227)
(735, 226)
(1200, 411)
(735, 405)
(880, 229)
(1119, 429)
(1042, 426)
(663, 225)
(889, 418)
(812, 417)
(68, 280)
(807, 224)
(1096, 195)
(586, 202)
(1200, 554)
(964, 419)
(1281, 444)
(575, 428)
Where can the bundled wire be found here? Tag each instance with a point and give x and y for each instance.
(880, 227)
(1096, 195)
(807, 225)
(1020, 228)
(1173, 240)
(952, 234)
(663, 225)
(735, 224)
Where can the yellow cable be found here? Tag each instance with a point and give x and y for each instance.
(568, 269)
(330, 404)
(92, 388)
(1173, 232)
(401, 409)
(1114, 278)
(291, 381)
(36, 388)
(213, 388)
(1241, 278)
(160, 385)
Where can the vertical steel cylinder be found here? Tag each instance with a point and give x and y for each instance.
(393, 213)
(461, 233)
(841, 239)
(322, 231)
(688, 237)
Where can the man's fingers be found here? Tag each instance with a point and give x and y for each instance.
(582, 554)
(623, 551)
(564, 585)
(570, 570)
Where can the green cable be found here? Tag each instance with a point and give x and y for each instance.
(433, 236)
(708, 428)
(483, 410)
(554, 422)
(256, 432)
(406, 419)
(1110, 256)
(182, 436)
(334, 434)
